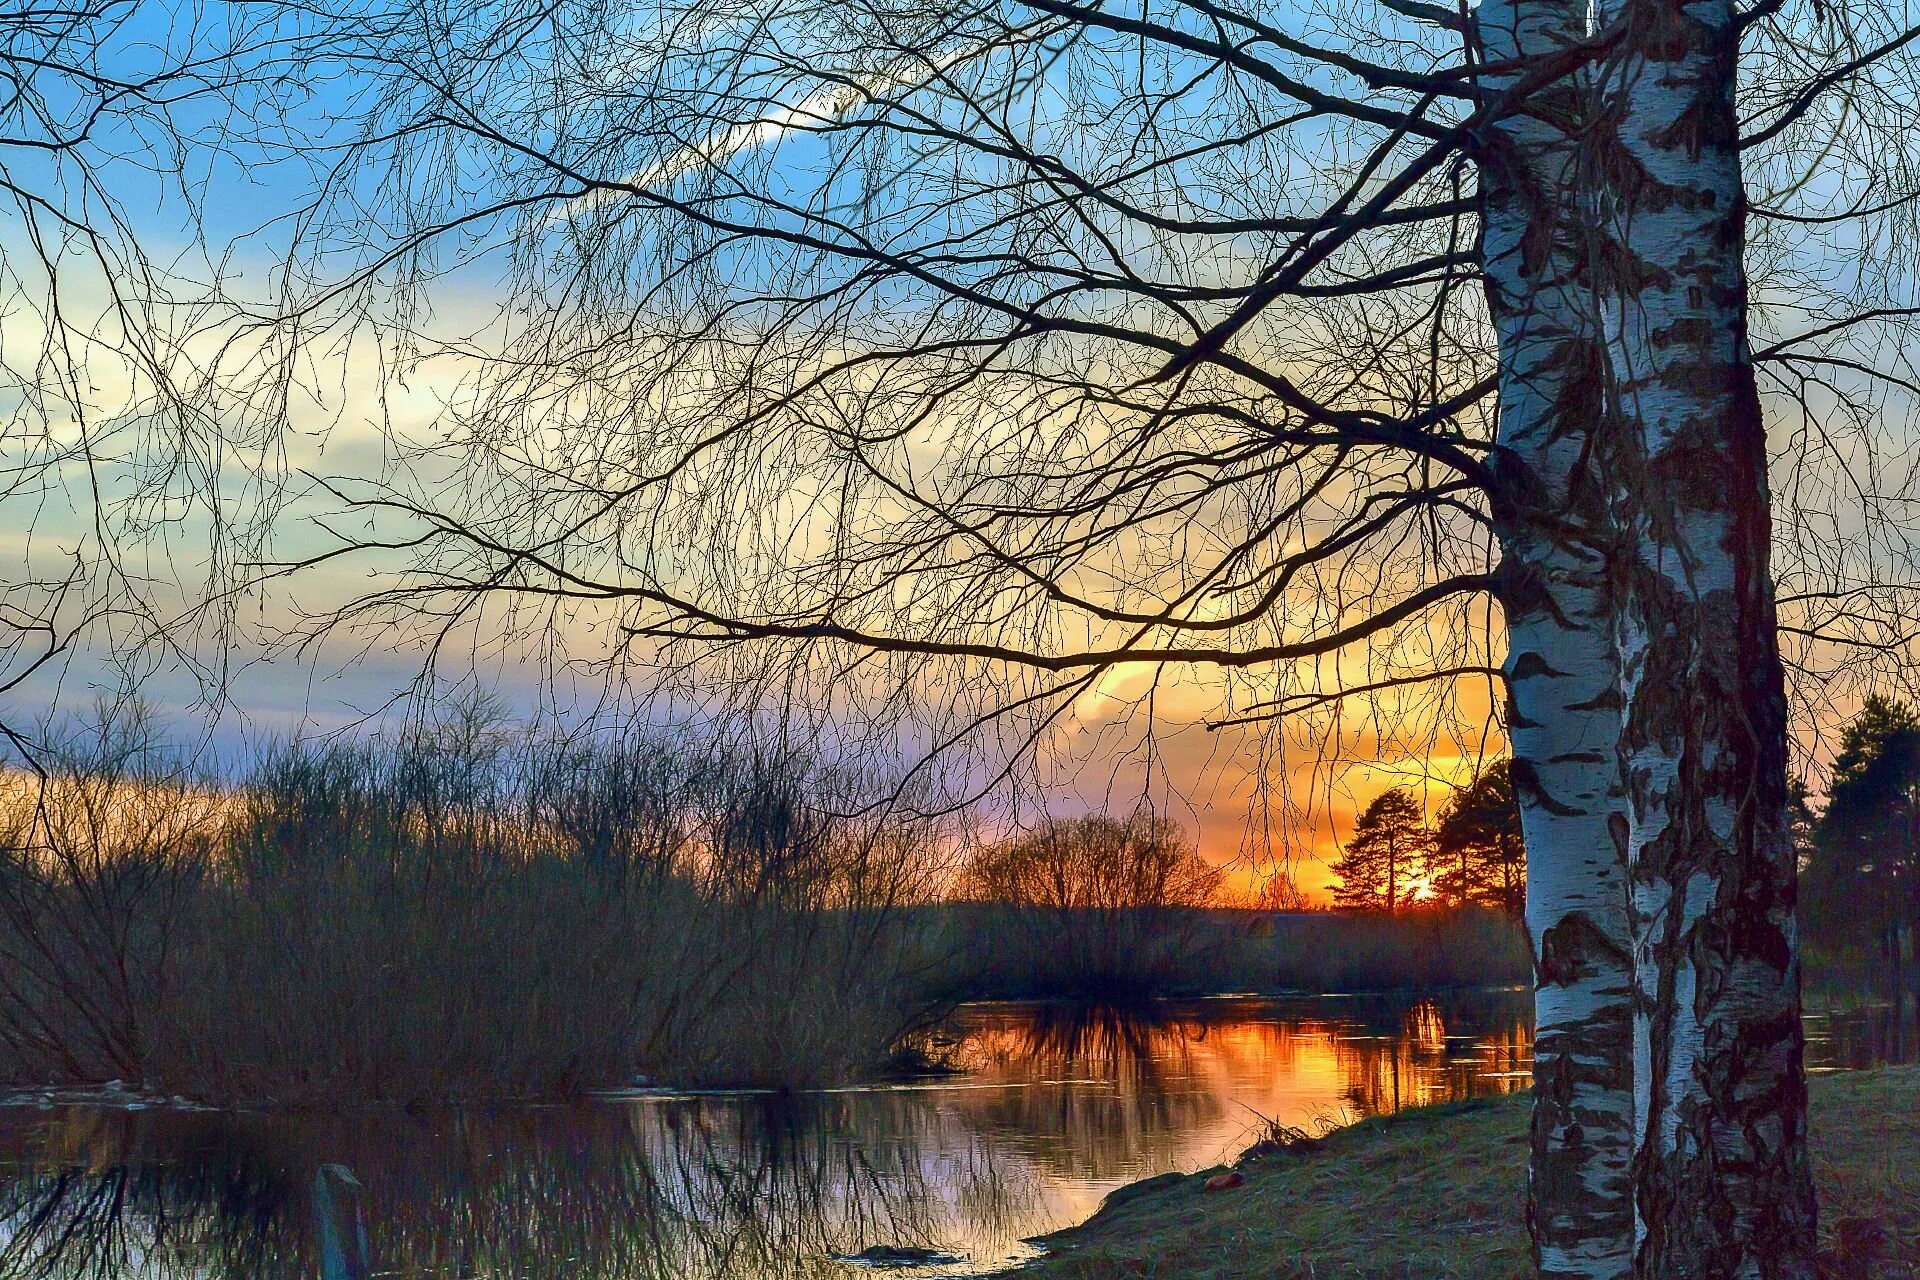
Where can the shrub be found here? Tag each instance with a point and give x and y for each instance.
(460, 912)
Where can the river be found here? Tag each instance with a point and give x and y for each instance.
(1053, 1107)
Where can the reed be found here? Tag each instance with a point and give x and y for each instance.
(457, 914)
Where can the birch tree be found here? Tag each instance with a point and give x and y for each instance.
(1561, 667)
(1722, 1183)
(928, 369)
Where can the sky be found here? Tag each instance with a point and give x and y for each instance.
(347, 404)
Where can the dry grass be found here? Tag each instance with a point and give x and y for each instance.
(1436, 1194)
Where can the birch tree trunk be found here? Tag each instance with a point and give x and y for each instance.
(1551, 506)
(1722, 1186)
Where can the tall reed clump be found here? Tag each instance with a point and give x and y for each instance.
(465, 910)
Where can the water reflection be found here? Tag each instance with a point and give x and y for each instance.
(1111, 1095)
(1865, 1037)
(1088, 1093)
(1057, 1106)
(714, 1191)
(1428, 1062)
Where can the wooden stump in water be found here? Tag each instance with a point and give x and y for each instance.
(339, 1227)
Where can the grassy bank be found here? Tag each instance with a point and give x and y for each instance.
(1437, 1193)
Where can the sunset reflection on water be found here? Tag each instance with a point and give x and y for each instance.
(1109, 1095)
(1056, 1106)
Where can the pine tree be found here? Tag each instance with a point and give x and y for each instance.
(1865, 874)
(1389, 847)
(1479, 855)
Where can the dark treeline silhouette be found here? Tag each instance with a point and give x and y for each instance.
(1389, 846)
(1860, 877)
(1099, 905)
(1473, 854)
(999, 953)
(468, 908)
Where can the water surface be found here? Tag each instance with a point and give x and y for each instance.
(1056, 1105)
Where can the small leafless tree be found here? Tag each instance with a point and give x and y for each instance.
(1277, 891)
(95, 861)
(1097, 893)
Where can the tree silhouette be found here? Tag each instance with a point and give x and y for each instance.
(1277, 891)
(1479, 854)
(1381, 861)
(1865, 875)
(1102, 894)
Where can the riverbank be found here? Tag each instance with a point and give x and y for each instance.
(998, 951)
(1436, 1193)
(472, 911)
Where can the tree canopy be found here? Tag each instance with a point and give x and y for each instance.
(1095, 863)
(1479, 853)
(1865, 872)
(1380, 865)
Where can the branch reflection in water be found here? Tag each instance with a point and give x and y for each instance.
(1056, 1106)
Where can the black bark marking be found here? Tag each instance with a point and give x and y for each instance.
(1573, 950)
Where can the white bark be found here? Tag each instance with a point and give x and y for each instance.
(1562, 679)
(1721, 1180)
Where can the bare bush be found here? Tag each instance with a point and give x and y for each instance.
(466, 909)
(1102, 903)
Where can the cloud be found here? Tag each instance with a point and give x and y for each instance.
(822, 108)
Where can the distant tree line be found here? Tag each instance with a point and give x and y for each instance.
(1104, 907)
(1107, 906)
(1473, 854)
(1860, 854)
(1096, 863)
